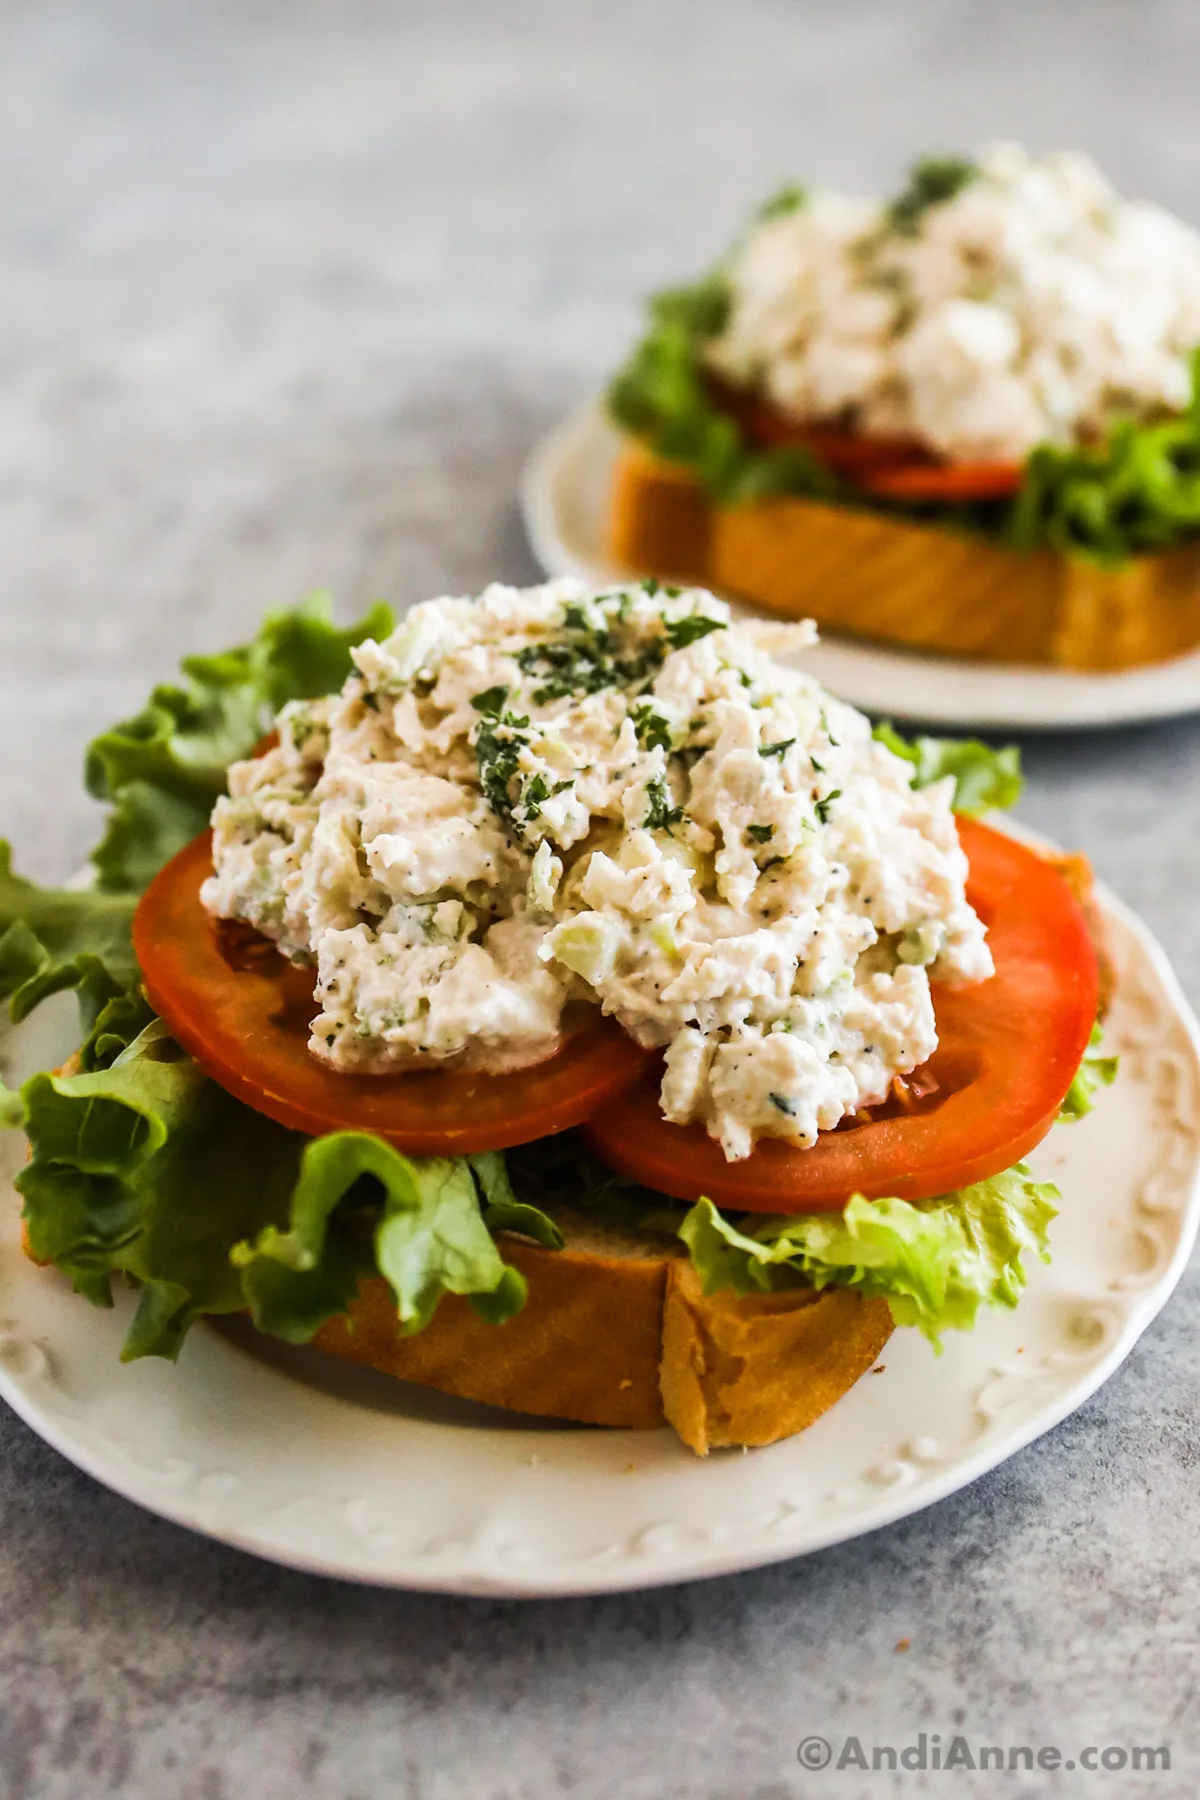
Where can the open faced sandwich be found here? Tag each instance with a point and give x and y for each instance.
(964, 420)
(555, 999)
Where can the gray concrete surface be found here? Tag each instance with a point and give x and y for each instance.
(287, 290)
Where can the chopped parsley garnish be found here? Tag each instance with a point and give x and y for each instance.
(516, 800)
(588, 657)
(535, 789)
(776, 749)
(762, 834)
(786, 200)
(660, 814)
(701, 310)
(653, 732)
(822, 806)
(691, 629)
(533, 792)
(931, 183)
(490, 701)
(498, 746)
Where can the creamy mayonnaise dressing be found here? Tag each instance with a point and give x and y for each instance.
(1033, 306)
(548, 795)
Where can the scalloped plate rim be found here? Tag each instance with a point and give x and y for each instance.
(604, 1574)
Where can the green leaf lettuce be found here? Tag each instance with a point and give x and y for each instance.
(984, 778)
(148, 1170)
(56, 938)
(936, 1263)
(1093, 1073)
(160, 772)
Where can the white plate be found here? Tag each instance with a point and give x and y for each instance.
(309, 1462)
(564, 499)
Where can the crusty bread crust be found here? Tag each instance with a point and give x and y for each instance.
(618, 1332)
(900, 582)
(661, 518)
(586, 1345)
(752, 1370)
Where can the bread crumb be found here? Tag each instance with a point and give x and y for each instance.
(628, 1382)
(902, 1644)
(879, 1368)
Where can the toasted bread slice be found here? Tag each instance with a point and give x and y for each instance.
(616, 1331)
(899, 582)
(586, 1345)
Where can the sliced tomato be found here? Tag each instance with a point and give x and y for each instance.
(944, 482)
(844, 452)
(890, 467)
(858, 455)
(1008, 1049)
(243, 1012)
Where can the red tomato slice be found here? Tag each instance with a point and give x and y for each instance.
(891, 467)
(856, 455)
(243, 1012)
(1008, 1049)
(945, 482)
(847, 453)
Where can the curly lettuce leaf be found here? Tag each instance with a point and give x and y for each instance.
(984, 778)
(162, 770)
(502, 1209)
(663, 396)
(56, 938)
(146, 1169)
(1135, 493)
(931, 182)
(145, 827)
(1093, 1073)
(419, 1221)
(936, 1263)
(12, 1109)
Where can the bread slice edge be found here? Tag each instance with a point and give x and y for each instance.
(618, 1332)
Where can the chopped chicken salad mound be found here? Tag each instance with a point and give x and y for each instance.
(551, 795)
(1008, 303)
